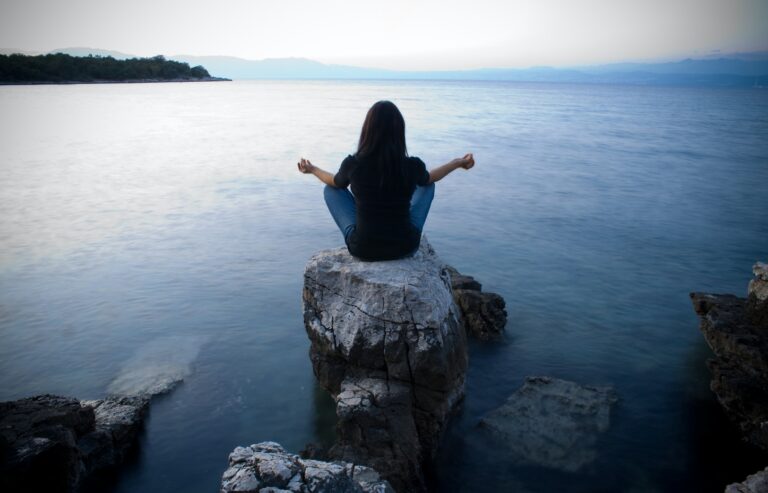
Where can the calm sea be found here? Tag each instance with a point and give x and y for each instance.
(163, 228)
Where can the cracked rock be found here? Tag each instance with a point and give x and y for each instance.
(266, 467)
(755, 483)
(757, 296)
(484, 314)
(387, 342)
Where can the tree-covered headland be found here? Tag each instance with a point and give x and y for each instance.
(63, 68)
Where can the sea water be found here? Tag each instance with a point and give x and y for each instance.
(159, 231)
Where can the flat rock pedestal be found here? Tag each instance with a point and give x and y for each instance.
(388, 344)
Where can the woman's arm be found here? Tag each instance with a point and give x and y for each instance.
(308, 168)
(437, 174)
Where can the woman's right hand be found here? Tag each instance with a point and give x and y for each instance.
(305, 166)
(467, 161)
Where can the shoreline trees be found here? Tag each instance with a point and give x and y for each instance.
(62, 68)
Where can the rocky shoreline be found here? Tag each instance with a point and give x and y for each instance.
(53, 443)
(130, 81)
(388, 341)
(736, 329)
(63, 444)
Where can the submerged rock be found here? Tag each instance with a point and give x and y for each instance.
(266, 467)
(756, 483)
(157, 366)
(388, 344)
(483, 314)
(552, 423)
(53, 443)
(735, 330)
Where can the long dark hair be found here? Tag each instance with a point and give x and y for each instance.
(382, 143)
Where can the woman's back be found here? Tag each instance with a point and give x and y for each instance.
(384, 218)
(383, 222)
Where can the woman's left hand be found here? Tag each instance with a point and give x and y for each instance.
(467, 161)
(305, 166)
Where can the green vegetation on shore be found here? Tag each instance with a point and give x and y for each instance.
(62, 68)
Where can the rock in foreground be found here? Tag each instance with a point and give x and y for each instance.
(756, 483)
(552, 423)
(736, 329)
(266, 467)
(483, 314)
(757, 296)
(388, 344)
(52, 443)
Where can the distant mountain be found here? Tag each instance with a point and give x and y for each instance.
(15, 51)
(732, 66)
(738, 69)
(746, 70)
(284, 68)
(79, 51)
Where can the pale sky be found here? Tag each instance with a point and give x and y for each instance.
(398, 34)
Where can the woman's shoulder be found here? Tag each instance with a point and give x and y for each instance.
(415, 161)
(349, 163)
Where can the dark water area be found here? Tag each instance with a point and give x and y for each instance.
(154, 228)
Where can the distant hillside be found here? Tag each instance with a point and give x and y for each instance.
(286, 68)
(83, 52)
(711, 66)
(61, 68)
(734, 70)
(745, 71)
(16, 51)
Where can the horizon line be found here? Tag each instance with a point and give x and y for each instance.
(761, 54)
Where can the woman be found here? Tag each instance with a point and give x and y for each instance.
(384, 218)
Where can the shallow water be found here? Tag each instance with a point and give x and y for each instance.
(139, 218)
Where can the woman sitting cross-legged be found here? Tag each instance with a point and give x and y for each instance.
(383, 217)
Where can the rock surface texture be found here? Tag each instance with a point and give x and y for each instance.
(552, 423)
(756, 483)
(267, 468)
(387, 342)
(737, 331)
(757, 296)
(483, 314)
(52, 443)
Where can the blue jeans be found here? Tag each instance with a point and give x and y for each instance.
(341, 203)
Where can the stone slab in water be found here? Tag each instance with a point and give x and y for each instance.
(552, 423)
